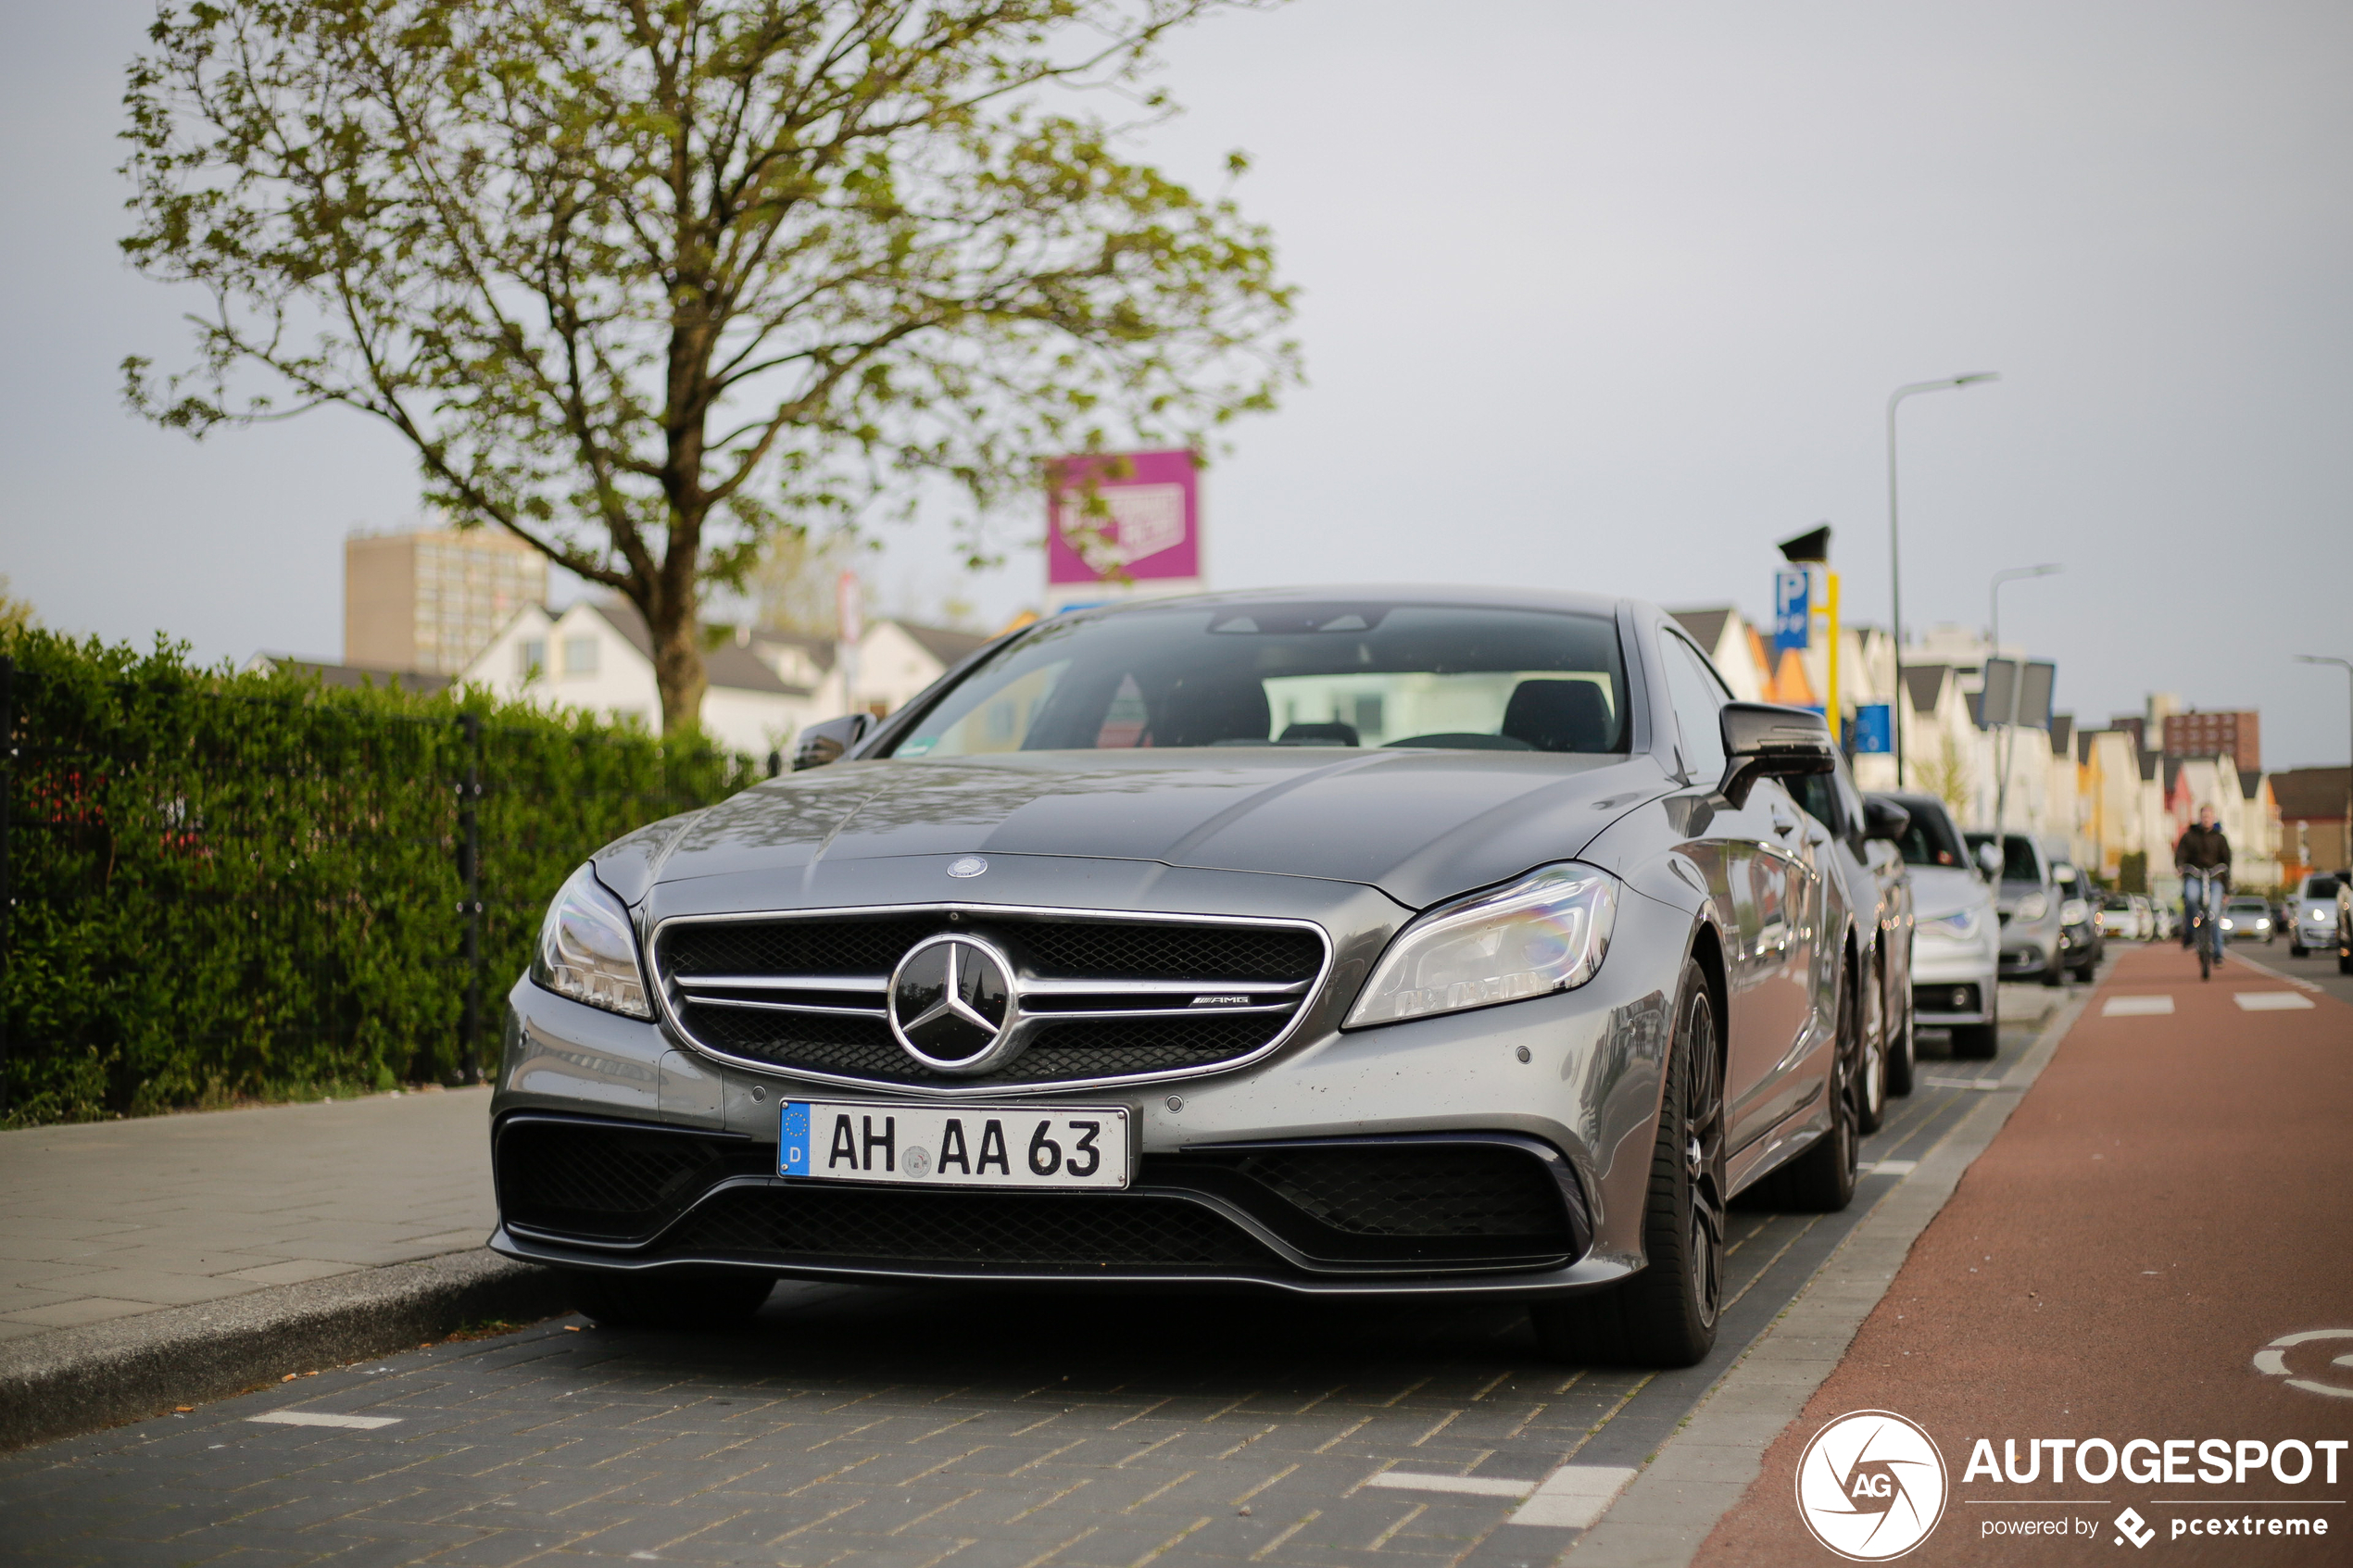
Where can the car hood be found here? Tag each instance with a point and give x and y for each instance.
(1938, 891)
(1419, 825)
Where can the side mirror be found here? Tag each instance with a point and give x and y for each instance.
(1886, 820)
(1988, 861)
(1762, 741)
(821, 744)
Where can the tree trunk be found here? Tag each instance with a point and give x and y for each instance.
(678, 667)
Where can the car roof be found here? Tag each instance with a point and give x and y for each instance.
(1466, 594)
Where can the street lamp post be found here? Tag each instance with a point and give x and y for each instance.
(2347, 665)
(1894, 559)
(2017, 679)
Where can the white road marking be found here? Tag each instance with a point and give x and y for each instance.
(1476, 1486)
(2271, 1362)
(323, 1418)
(1962, 1082)
(2137, 1007)
(2270, 1001)
(1891, 1167)
(1574, 1496)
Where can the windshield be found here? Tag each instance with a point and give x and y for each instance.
(1315, 675)
(2319, 887)
(1929, 841)
(2018, 863)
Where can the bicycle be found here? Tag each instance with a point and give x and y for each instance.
(2205, 924)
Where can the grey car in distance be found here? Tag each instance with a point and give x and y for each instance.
(1383, 940)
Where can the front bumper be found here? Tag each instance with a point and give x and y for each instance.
(1953, 983)
(1571, 1080)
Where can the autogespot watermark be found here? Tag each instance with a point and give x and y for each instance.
(1872, 1484)
(2188, 1463)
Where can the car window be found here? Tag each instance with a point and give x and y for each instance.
(2019, 863)
(1304, 674)
(2319, 887)
(1698, 699)
(1929, 841)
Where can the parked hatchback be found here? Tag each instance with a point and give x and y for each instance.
(2028, 898)
(1956, 939)
(2311, 913)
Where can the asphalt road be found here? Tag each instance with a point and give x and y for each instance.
(900, 1429)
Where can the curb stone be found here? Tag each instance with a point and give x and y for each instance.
(80, 1380)
(1663, 1516)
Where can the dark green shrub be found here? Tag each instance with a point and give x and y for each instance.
(234, 884)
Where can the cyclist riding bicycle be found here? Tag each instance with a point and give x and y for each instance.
(2205, 851)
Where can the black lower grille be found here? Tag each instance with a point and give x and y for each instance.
(1040, 1229)
(588, 1178)
(863, 1047)
(1431, 1190)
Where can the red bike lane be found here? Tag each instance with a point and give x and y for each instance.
(2173, 1196)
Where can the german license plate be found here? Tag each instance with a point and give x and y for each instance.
(999, 1146)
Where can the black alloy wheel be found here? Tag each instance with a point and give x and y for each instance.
(668, 1301)
(1822, 1179)
(1665, 1315)
(1871, 1102)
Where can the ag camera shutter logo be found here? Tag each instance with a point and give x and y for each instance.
(1871, 1486)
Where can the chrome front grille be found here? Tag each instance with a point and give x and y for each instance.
(1103, 997)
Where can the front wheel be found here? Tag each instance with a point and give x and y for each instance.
(2205, 958)
(1664, 1316)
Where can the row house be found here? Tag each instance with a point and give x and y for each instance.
(2106, 798)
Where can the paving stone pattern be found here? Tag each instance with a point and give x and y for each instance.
(902, 1429)
(112, 1219)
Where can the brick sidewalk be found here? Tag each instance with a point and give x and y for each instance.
(113, 1219)
(2168, 1199)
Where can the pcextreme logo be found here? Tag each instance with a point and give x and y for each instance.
(1871, 1486)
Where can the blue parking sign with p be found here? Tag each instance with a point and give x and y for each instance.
(1792, 608)
(792, 1141)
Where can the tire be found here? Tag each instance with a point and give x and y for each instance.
(2296, 952)
(1900, 1055)
(2205, 960)
(1665, 1315)
(2052, 972)
(1870, 1102)
(1821, 1180)
(682, 1301)
(1979, 1042)
(2344, 963)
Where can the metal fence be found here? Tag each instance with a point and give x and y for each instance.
(213, 887)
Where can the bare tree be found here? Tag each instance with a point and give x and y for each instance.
(645, 281)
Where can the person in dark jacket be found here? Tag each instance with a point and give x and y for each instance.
(2202, 847)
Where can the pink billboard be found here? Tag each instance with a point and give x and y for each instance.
(1149, 529)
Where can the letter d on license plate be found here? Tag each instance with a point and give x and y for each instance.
(998, 1146)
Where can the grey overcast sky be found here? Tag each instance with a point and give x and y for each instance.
(1599, 296)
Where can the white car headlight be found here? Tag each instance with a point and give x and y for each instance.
(1547, 931)
(1960, 926)
(587, 951)
(2031, 907)
(2075, 911)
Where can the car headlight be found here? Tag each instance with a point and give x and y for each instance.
(1958, 926)
(587, 951)
(2033, 906)
(2075, 911)
(1547, 931)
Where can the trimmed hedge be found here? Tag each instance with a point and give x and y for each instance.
(252, 884)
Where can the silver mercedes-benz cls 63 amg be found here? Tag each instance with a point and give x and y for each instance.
(1343, 941)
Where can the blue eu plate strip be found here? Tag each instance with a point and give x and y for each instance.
(792, 1140)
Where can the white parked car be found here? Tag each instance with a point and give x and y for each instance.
(1956, 935)
(2311, 914)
